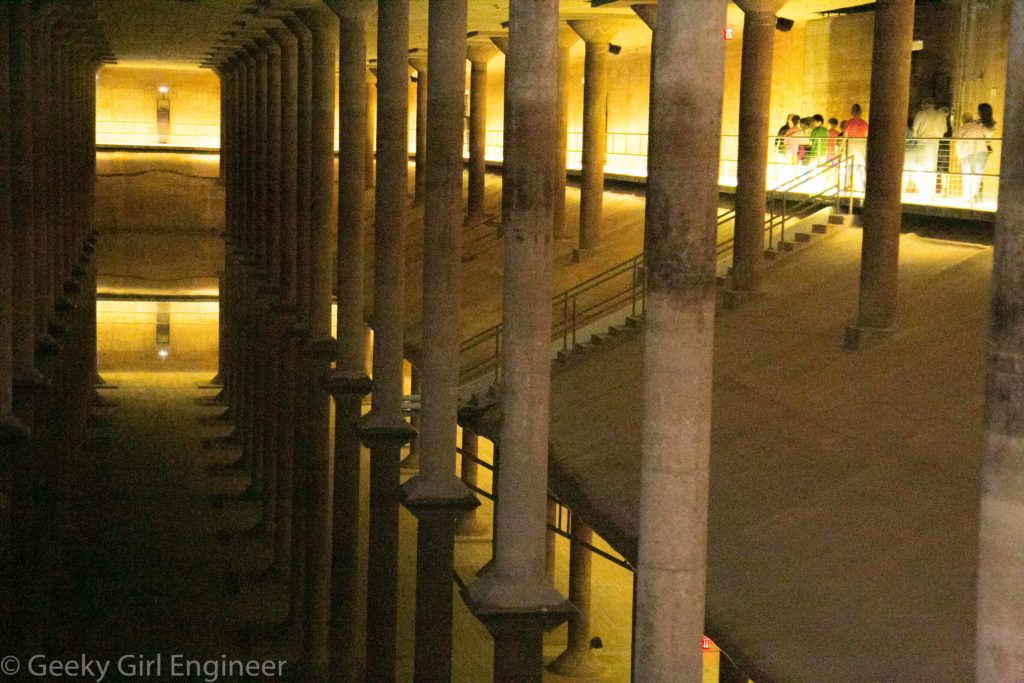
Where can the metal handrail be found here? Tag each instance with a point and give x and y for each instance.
(570, 312)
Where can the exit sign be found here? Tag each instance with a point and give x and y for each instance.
(727, 33)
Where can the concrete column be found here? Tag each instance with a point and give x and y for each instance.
(287, 296)
(412, 460)
(371, 117)
(479, 54)
(473, 522)
(1000, 629)
(324, 28)
(436, 496)
(384, 429)
(23, 216)
(436, 482)
(11, 429)
(578, 660)
(566, 39)
(44, 199)
(514, 597)
(419, 63)
(682, 192)
(752, 164)
(883, 208)
(348, 383)
(597, 33)
(305, 431)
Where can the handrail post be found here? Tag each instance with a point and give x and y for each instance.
(565, 323)
(574, 322)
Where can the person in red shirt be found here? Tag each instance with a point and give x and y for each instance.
(856, 130)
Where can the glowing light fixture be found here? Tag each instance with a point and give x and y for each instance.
(162, 353)
(163, 89)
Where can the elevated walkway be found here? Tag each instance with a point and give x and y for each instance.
(844, 488)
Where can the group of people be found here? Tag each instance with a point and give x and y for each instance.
(806, 141)
(809, 141)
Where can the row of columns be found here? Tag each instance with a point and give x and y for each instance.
(514, 597)
(49, 56)
(278, 88)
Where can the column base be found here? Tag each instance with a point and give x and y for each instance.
(449, 492)
(13, 431)
(375, 429)
(734, 298)
(856, 338)
(339, 383)
(411, 462)
(471, 526)
(494, 596)
(48, 344)
(577, 664)
(580, 254)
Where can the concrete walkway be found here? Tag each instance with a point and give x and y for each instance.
(844, 485)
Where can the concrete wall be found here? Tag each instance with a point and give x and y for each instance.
(160, 216)
(126, 103)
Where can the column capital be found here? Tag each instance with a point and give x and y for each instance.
(501, 42)
(351, 9)
(567, 37)
(418, 59)
(760, 6)
(479, 53)
(648, 12)
(596, 31)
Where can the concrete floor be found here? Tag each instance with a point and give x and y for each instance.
(844, 485)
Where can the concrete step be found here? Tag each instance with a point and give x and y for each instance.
(635, 321)
(820, 228)
(770, 254)
(841, 219)
(803, 237)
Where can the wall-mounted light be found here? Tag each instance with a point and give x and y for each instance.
(163, 116)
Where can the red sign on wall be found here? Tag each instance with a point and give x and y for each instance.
(727, 33)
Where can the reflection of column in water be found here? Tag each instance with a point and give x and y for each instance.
(163, 329)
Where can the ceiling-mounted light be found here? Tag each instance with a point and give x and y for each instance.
(163, 89)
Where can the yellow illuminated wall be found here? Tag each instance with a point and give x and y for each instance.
(126, 106)
(127, 335)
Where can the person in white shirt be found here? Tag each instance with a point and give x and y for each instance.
(973, 150)
(928, 129)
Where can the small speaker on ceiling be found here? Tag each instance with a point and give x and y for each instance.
(783, 24)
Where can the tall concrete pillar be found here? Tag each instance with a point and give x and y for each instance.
(578, 660)
(597, 34)
(348, 383)
(288, 43)
(45, 198)
(324, 28)
(371, 117)
(442, 271)
(436, 496)
(307, 430)
(1000, 627)
(679, 253)
(23, 153)
(11, 429)
(752, 160)
(514, 598)
(566, 39)
(472, 523)
(479, 54)
(384, 429)
(419, 62)
(883, 208)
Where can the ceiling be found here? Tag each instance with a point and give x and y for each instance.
(178, 33)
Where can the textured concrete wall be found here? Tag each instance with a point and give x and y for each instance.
(161, 216)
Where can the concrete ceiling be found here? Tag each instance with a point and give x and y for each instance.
(178, 33)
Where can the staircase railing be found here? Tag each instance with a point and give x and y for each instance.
(623, 284)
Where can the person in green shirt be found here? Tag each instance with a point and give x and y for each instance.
(819, 141)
